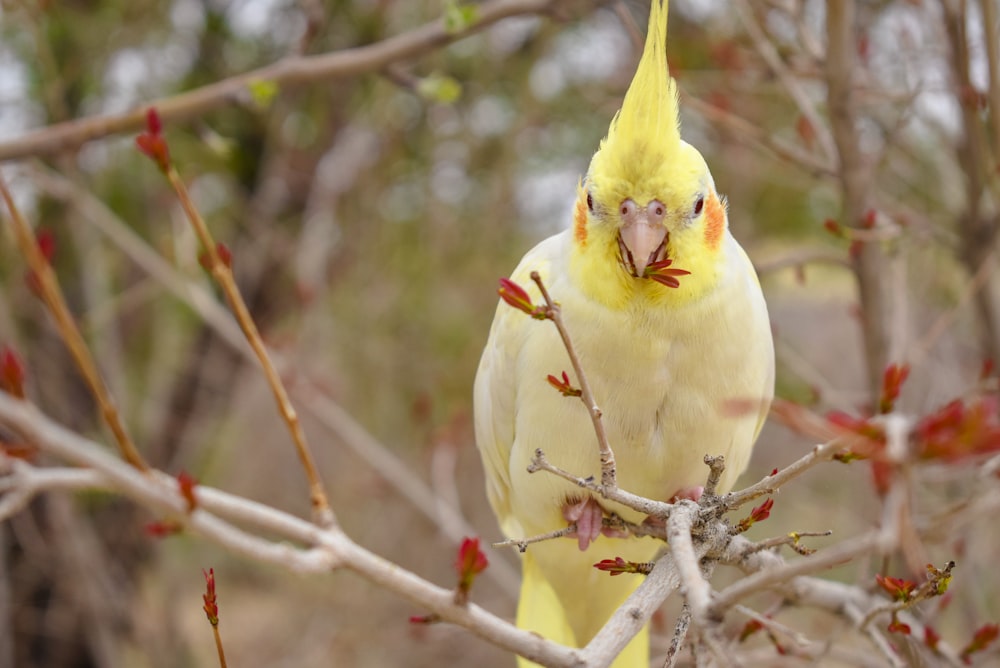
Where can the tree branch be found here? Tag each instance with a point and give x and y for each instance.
(286, 73)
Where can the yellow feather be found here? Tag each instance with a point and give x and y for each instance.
(679, 372)
(640, 156)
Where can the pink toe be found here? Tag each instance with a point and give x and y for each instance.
(589, 517)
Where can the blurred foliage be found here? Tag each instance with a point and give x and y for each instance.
(370, 218)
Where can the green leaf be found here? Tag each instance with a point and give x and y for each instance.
(439, 88)
(263, 92)
(458, 17)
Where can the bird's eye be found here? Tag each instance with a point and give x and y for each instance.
(699, 205)
(590, 202)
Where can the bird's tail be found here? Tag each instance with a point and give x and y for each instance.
(553, 612)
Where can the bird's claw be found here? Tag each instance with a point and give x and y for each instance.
(588, 516)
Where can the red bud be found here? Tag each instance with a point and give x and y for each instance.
(751, 627)
(211, 606)
(186, 483)
(153, 124)
(898, 588)
(931, 637)
(617, 566)
(896, 626)
(11, 373)
(981, 639)
(162, 529)
(46, 243)
(518, 297)
(425, 619)
(152, 143)
(563, 385)
(892, 382)
(469, 562)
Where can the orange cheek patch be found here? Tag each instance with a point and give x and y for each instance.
(715, 221)
(580, 221)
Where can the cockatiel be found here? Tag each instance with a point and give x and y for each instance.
(680, 365)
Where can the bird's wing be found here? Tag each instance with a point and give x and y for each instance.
(760, 308)
(496, 387)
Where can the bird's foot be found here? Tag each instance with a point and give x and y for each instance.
(588, 515)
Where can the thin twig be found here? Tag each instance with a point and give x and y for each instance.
(770, 54)
(223, 274)
(765, 579)
(332, 548)
(523, 543)
(935, 585)
(991, 28)
(791, 540)
(218, 645)
(609, 474)
(680, 633)
(51, 294)
(311, 397)
(800, 259)
(772, 483)
(752, 134)
(641, 504)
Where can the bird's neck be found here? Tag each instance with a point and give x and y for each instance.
(597, 270)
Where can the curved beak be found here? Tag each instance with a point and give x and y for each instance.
(641, 243)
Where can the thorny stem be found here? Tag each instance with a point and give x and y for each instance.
(223, 275)
(52, 296)
(554, 312)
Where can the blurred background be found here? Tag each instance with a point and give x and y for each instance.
(369, 219)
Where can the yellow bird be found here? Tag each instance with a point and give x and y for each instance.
(681, 365)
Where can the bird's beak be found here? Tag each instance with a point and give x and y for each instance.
(641, 243)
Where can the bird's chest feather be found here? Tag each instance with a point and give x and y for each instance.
(656, 375)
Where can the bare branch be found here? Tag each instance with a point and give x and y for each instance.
(222, 272)
(330, 548)
(770, 55)
(51, 294)
(286, 73)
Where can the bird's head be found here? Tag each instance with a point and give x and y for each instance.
(648, 195)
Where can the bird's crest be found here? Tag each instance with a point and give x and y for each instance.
(644, 136)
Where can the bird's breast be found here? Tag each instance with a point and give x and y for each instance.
(663, 379)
